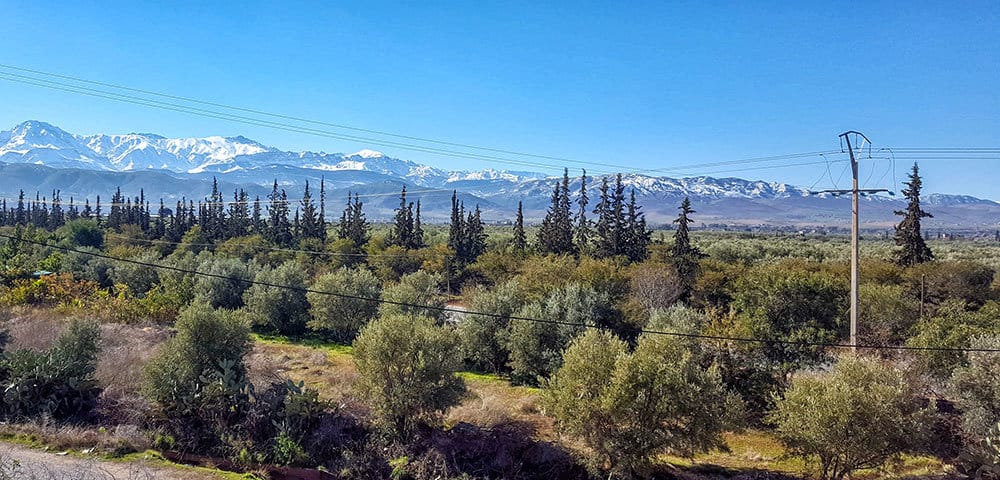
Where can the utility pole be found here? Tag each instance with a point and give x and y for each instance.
(855, 234)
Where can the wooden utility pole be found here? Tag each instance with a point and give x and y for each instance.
(855, 234)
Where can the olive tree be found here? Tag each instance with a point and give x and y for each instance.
(482, 336)
(406, 366)
(414, 292)
(630, 407)
(226, 285)
(859, 415)
(277, 308)
(976, 387)
(342, 314)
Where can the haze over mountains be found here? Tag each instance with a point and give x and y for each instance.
(37, 156)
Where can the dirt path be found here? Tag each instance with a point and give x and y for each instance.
(24, 463)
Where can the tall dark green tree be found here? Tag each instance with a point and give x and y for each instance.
(402, 226)
(520, 239)
(353, 225)
(913, 249)
(555, 235)
(279, 230)
(310, 221)
(682, 238)
(582, 232)
(636, 235)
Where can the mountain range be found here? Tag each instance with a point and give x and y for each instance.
(37, 156)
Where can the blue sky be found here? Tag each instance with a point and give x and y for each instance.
(647, 84)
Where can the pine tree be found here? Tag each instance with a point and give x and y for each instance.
(353, 225)
(637, 237)
(21, 216)
(682, 241)
(322, 209)
(582, 224)
(257, 225)
(520, 239)
(279, 230)
(310, 225)
(913, 248)
(556, 232)
(417, 238)
(402, 228)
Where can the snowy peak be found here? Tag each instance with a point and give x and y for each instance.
(367, 154)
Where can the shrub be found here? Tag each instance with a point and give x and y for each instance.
(535, 347)
(952, 326)
(420, 288)
(940, 281)
(791, 301)
(483, 337)
(407, 369)
(887, 314)
(278, 309)
(976, 388)
(138, 278)
(653, 286)
(82, 233)
(630, 407)
(343, 317)
(223, 292)
(857, 416)
(198, 380)
(58, 382)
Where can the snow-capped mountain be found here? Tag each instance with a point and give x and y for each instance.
(38, 156)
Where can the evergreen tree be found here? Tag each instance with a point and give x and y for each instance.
(21, 215)
(87, 212)
(474, 242)
(582, 224)
(520, 239)
(160, 225)
(322, 209)
(556, 232)
(637, 237)
(97, 210)
(56, 218)
(257, 224)
(682, 241)
(279, 230)
(353, 225)
(310, 222)
(402, 228)
(417, 239)
(913, 249)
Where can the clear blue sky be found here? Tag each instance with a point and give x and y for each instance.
(649, 84)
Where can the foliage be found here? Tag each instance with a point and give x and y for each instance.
(223, 292)
(912, 249)
(630, 407)
(82, 233)
(482, 337)
(535, 347)
(56, 383)
(886, 315)
(791, 302)
(407, 369)
(342, 317)
(138, 278)
(952, 326)
(275, 308)
(421, 289)
(940, 281)
(857, 416)
(976, 388)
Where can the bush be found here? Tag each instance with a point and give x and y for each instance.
(82, 233)
(952, 326)
(630, 407)
(278, 309)
(341, 317)
(791, 301)
(858, 416)
(198, 380)
(222, 292)
(483, 337)
(138, 278)
(653, 286)
(941, 281)
(420, 288)
(406, 368)
(536, 347)
(887, 314)
(58, 382)
(976, 388)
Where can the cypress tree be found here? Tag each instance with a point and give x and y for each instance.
(310, 225)
(417, 239)
(520, 239)
(637, 243)
(556, 232)
(402, 228)
(913, 248)
(582, 224)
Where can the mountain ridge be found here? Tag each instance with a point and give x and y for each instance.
(241, 162)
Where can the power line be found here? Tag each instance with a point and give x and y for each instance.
(496, 315)
(61, 86)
